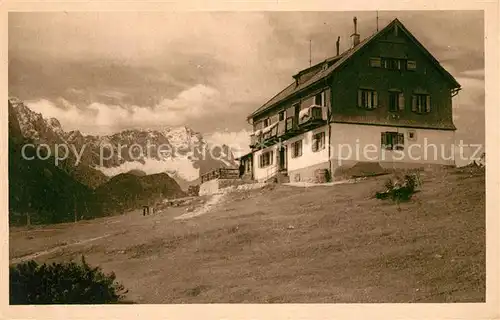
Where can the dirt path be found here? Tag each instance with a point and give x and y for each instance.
(216, 198)
(55, 249)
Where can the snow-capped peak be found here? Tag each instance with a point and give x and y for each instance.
(184, 161)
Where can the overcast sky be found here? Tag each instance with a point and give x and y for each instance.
(104, 72)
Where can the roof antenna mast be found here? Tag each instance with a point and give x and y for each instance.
(377, 20)
(310, 54)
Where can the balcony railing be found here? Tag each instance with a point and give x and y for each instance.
(220, 173)
(310, 116)
(285, 129)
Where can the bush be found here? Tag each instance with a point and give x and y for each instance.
(62, 283)
(399, 188)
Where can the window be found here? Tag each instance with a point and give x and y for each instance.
(411, 65)
(393, 63)
(296, 110)
(318, 99)
(266, 159)
(281, 116)
(318, 142)
(266, 122)
(375, 62)
(367, 98)
(392, 140)
(396, 101)
(421, 103)
(412, 135)
(297, 149)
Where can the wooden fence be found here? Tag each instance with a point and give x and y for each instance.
(221, 173)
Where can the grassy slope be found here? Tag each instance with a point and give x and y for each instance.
(321, 244)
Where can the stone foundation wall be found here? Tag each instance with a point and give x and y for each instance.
(209, 187)
(213, 186)
(307, 174)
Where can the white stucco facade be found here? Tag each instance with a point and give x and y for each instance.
(308, 157)
(263, 173)
(347, 144)
(363, 143)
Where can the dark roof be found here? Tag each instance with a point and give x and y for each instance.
(246, 155)
(293, 88)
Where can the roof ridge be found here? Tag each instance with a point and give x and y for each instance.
(347, 54)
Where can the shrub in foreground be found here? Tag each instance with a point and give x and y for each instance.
(62, 283)
(400, 188)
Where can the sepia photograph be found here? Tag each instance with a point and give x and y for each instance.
(246, 157)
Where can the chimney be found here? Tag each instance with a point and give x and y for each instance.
(355, 35)
(338, 45)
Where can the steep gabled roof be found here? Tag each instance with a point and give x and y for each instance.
(293, 88)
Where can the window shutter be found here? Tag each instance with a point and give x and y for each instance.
(315, 145)
(411, 65)
(375, 62)
(383, 139)
(401, 101)
(360, 93)
(276, 118)
(428, 104)
(375, 99)
(414, 103)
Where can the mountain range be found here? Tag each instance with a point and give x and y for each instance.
(180, 152)
(82, 186)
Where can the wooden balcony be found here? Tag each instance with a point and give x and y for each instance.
(255, 140)
(313, 117)
(285, 129)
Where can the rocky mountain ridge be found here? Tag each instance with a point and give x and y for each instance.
(180, 152)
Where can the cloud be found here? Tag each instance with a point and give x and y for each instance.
(140, 69)
(238, 141)
(472, 95)
(99, 118)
